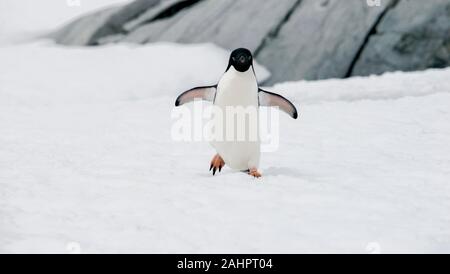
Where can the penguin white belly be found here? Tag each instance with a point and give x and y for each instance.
(237, 89)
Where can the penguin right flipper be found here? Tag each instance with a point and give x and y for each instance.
(206, 93)
(270, 99)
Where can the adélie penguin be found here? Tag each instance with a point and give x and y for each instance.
(238, 87)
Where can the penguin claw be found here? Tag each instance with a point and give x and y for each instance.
(216, 164)
(254, 172)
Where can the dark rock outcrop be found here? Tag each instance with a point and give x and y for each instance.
(320, 39)
(414, 35)
(81, 31)
(227, 23)
(114, 24)
(294, 39)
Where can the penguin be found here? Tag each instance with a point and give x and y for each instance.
(238, 87)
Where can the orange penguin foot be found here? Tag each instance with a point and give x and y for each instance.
(216, 164)
(254, 172)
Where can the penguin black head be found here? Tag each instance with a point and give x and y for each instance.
(241, 59)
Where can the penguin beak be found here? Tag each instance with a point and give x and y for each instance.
(242, 59)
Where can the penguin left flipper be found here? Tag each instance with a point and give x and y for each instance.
(206, 93)
(270, 99)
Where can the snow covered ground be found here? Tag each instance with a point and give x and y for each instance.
(87, 163)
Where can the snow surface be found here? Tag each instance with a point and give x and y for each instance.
(87, 163)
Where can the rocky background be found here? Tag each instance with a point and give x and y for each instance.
(294, 39)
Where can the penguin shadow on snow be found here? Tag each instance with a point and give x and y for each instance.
(282, 171)
(224, 172)
(267, 172)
